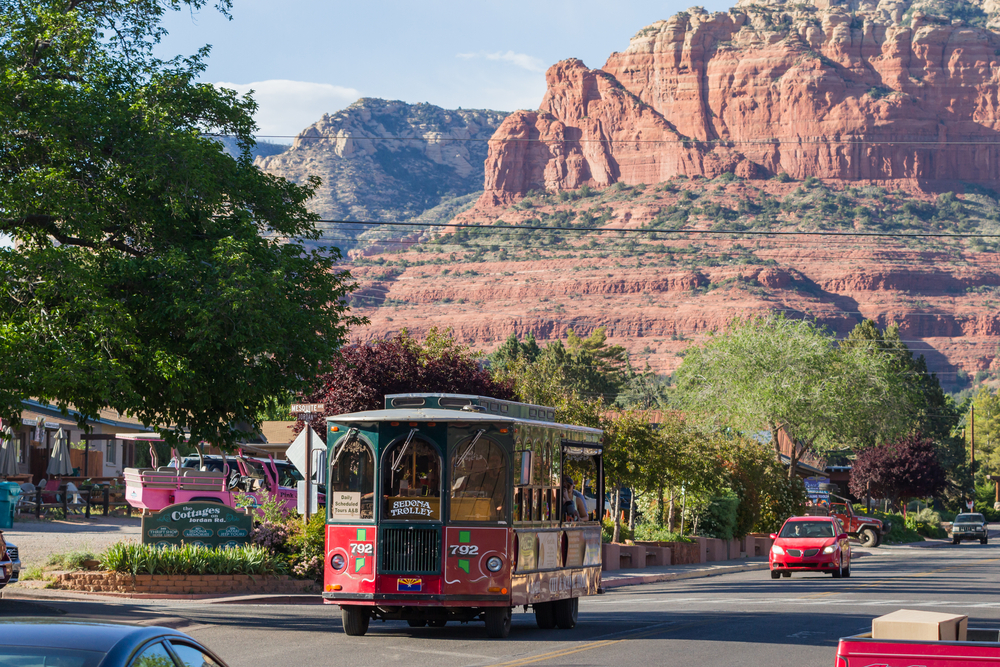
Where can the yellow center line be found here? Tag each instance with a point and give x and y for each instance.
(639, 634)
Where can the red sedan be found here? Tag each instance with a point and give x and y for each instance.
(810, 544)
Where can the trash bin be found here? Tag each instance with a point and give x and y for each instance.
(9, 492)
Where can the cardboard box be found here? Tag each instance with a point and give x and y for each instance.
(921, 626)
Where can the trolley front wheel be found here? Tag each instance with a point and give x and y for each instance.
(355, 620)
(498, 622)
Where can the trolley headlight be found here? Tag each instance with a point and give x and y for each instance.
(494, 564)
(776, 550)
(338, 562)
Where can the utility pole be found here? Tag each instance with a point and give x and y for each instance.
(972, 452)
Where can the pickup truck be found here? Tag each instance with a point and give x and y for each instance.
(867, 530)
(981, 648)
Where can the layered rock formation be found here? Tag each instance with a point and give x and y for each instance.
(857, 92)
(388, 160)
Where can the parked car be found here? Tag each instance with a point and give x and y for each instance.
(866, 529)
(15, 558)
(969, 527)
(83, 643)
(810, 544)
(6, 563)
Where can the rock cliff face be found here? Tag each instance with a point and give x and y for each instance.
(860, 91)
(427, 158)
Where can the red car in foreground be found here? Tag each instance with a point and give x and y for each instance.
(810, 544)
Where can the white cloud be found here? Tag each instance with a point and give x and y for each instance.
(522, 60)
(285, 107)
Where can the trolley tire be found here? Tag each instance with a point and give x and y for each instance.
(775, 574)
(437, 623)
(355, 620)
(565, 612)
(868, 538)
(416, 622)
(545, 617)
(498, 622)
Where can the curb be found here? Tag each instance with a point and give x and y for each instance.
(678, 576)
(56, 594)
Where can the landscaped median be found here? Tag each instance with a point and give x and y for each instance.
(142, 569)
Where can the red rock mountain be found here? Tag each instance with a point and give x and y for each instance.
(867, 93)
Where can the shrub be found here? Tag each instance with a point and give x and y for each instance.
(719, 519)
(72, 560)
(649, 532)
(608, 531)
(134, 558)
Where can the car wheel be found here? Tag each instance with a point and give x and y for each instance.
(868, 538)
(775, 574)
(847, 572)
(498, 622)
(839, 572)
(982, 541)
(545, 615)
(565, 612)
(355, 620)
(416, 622)
(954, 540)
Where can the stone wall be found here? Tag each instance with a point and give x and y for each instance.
(181, 584)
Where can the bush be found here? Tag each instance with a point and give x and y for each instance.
(72, 560)
(648, 532)
(134, 558)
(719, 520)
(900, 533)
(608, 531)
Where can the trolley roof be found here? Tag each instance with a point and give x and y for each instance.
(444, 415)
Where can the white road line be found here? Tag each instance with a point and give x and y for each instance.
(449, 653)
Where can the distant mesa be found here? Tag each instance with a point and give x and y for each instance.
(877, 92)
(388, 160)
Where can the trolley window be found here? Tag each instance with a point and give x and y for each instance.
(351, 486)
(411, 481)
(479, 481)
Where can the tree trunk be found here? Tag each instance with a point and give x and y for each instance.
(659, 506)
(631, 511)
(616, 535)
(671, 515)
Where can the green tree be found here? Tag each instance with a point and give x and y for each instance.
(151, 273)
(775, 373)
(987, 433)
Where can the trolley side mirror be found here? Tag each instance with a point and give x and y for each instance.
(319, 467)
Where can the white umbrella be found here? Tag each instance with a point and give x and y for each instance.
(59, 462)
(8, 454)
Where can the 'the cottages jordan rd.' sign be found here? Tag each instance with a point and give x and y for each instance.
(201, 524)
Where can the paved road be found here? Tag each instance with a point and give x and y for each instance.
(739, 619)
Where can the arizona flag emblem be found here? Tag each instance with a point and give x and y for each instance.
(410, 585)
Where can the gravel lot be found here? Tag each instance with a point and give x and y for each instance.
(37, 540)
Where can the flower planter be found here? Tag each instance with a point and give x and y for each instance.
(181, 584)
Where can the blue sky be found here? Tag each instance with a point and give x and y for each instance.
(308, 57)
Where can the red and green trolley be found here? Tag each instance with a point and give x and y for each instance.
(445, 507)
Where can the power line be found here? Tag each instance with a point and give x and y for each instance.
(773, 141)
(749, 232)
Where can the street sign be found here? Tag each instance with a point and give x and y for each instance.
(970, 504)
(310, 408)
(201, 524)
(302, 453)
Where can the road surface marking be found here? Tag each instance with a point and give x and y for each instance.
(450, 653)
(627, 636)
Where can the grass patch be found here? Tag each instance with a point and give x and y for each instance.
(134, 558)
(72, 560)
